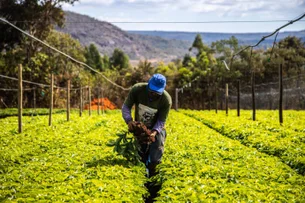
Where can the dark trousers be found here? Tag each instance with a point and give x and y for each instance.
(151, 154)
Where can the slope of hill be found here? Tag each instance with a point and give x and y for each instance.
(153, 45)
(107, 37)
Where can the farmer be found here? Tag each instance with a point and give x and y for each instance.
(152, 105)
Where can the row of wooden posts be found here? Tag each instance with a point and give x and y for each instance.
(20, 99)
(238, 96)
(20, 93)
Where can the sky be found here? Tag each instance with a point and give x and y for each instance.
(195, 11)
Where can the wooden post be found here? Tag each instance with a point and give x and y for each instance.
(80, 101)
(98, 100)
(216, 98)
(238, 98)
(227, 98)
(253, 96)
(89, 99)
(209, 95)
(176, 99)
(281, 93)
(20, 98)
(68, 99)
(103, 108)
(34, 94)
(51, 99)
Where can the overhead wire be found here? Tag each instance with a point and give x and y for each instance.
(189, 84)
(25, 81)
(269, 59)
(167, 22)
(64, 54)
(121, 87)
(8, 90)
(40, 84)
(264, 37)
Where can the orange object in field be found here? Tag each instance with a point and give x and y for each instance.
(103, 101)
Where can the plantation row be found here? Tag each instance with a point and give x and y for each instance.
(71, 162)
(66, 162)
(201, 165)
(266, 135)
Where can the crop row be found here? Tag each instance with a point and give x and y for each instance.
(293, 120)
(287, 144)
(68, 161)
(201, 165)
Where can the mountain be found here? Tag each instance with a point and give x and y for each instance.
(107, 37)
(209, 37)
(153, 45)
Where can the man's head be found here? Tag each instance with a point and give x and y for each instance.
(156, 86)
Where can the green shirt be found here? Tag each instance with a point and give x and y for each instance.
(146, 111)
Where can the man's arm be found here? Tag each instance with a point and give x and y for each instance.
(126, 108)
(163, 113)
(159, 125)
(126, 113)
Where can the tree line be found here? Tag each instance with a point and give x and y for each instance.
(201, 62)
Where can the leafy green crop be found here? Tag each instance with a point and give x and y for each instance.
(287, 143)
(71, 162)
(126, 146)
(66, 162)
(200, 165)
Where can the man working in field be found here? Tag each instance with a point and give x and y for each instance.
(152, 105)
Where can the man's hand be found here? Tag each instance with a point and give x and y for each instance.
(152, 136)
(131, 125)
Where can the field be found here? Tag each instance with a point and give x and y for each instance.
(208, 158)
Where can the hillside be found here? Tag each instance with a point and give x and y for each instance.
(107, 37)
(153, 45)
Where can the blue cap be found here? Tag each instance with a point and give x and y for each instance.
(157, 83)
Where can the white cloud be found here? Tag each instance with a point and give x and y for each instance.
(97, 2)
(120, 18)
(238, 7)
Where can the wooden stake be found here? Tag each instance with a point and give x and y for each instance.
(238, 98)
(89, 99)
(98, 100)
(20, 98)
(216, 98)
(102, 101)
(253, 96)
(281, 93)
(176, 99)
(81, 101)
(227, 98)
(68, 99)
(51, 99)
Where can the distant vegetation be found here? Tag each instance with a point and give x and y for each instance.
(210, 37)
(200, 60)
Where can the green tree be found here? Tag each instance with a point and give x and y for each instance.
(119, 60)
(199, 45)
(187, 59)
(290, 52)
(59, 64)
(35, 16)
(106, 62)
(93, 58)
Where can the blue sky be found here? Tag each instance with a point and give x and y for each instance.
(194, 11)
